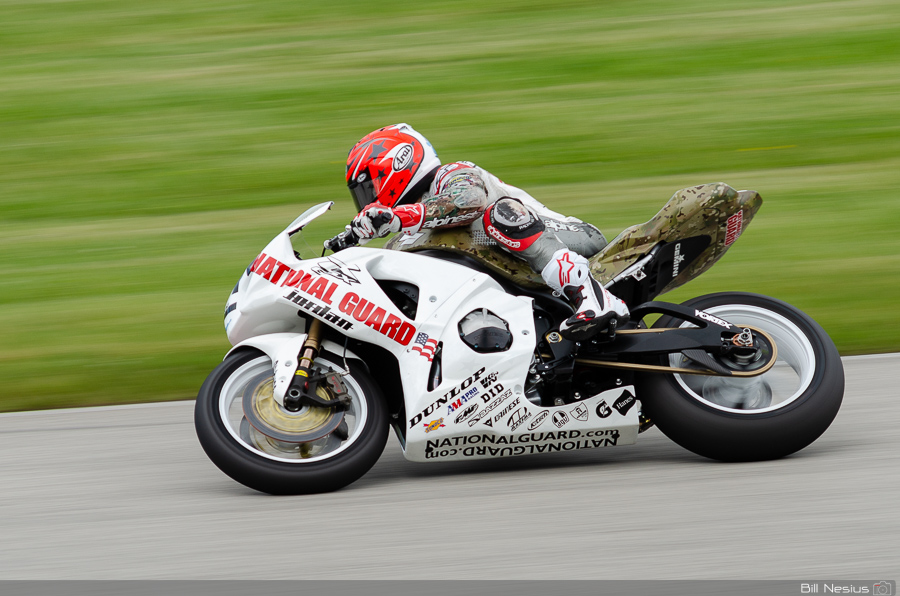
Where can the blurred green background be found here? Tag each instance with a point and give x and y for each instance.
(149, 150)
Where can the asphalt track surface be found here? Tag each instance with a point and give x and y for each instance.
(127, 493)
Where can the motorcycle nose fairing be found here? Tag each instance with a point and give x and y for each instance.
(449, 407)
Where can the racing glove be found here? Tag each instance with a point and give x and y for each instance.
(377, 221)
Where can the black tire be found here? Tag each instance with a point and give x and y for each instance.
(723, 433)
(255, 469)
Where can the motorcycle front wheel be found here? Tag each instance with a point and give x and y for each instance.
(258, 443)
(757, 418)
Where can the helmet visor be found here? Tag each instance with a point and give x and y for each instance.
(363, 193)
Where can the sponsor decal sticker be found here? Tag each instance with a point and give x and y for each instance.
(489, 408)
(461, 400)
(425, 346)
(319, 310)
(488, 380)
(733, 227)
(525, 444)
(603, 409)
(509, 408)
(676, 264)
(338, 270)
(447, 397)
(560, 419)
(434, 424)
(708, 317)
(518, 418)
(538, 420)
(624, 403)
(490, 393)
(466, 413)
(580, 412)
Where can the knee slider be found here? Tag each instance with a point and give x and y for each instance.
(512, 224)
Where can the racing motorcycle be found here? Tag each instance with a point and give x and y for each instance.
(455, 344)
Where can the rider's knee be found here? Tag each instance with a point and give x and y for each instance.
(513, 225)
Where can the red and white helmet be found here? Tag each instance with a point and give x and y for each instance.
(393, 165)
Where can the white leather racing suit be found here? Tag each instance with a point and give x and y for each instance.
(464, 194)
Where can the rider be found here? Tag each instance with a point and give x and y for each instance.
(399, 185)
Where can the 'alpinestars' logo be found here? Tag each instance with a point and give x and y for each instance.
(565, 265)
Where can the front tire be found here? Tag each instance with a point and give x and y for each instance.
(259, 461)
(757, 418)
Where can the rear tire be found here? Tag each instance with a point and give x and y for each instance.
(280, 468)
(778, 413)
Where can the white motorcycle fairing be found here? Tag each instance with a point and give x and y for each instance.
(479, 409)
(282, 349)
(465, 364)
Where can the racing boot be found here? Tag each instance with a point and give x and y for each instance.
(595, 307)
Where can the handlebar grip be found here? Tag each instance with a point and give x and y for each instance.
(345, 239)
(382, 219)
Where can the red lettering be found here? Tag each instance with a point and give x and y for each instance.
(318, 289)
(327, 297)
(348, 302)
(375, 320)
(257, 262)
(294, 279)
(266, 268)
(404, 334)
(374, 316)
(305, 282)
(362, 310)
(276, 276)
(390, 326)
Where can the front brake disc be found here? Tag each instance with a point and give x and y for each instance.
(309, 423)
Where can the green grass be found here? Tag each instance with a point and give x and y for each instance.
(148, 150)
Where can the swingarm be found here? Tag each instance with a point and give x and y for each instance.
(712, 345)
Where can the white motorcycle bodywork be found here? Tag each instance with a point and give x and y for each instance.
(479, 409)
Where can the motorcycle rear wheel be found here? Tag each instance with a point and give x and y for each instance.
(758, 418)
(339, 457)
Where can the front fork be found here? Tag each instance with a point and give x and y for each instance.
(302, 389)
